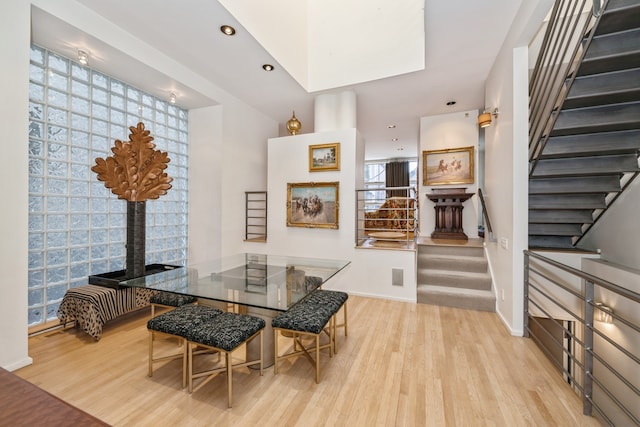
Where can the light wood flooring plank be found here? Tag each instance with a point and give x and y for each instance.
(402, 364)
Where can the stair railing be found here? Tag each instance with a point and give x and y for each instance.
(599, 349)
(485, 214)
(563, 47)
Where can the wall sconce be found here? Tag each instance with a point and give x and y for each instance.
(172, 98)
(603, 313)
(83, 57)
(484, 119)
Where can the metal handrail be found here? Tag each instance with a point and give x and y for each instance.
(552, 288)
(485, 214)
(563, 47)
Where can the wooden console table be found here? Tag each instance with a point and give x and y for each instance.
(449, 213)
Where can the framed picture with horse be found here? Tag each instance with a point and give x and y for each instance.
(449, 166)
(312, 204)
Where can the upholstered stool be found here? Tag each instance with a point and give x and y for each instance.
(334, 300)
(176, 324)
(169, 299)
(225, 333)
(305, 319)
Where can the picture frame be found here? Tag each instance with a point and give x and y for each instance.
(324, 157)
(313, 204)
(449, 166)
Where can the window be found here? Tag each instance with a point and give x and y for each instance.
(76, 226)
(375, 178)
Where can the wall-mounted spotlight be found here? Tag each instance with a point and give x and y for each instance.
(83, 57)
(172, 98)
(484, 119)
(603, 313)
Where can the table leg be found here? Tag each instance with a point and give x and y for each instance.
(253, 347)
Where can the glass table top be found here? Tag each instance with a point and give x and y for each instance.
(257, 280)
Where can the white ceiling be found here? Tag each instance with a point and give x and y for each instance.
(462, 40)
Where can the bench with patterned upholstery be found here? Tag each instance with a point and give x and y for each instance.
(178, 324)
(92, 306)
(305, 319)
(224, 333)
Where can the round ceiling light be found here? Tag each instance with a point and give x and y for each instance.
(450, 103)
(228, 30)
(267, 67)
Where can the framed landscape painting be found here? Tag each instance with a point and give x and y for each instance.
(313, 204)
(324, 157)
(450, 166)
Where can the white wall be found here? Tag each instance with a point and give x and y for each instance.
(370, 270)
(14, 86)
(244, 168)
(454, 130)
(205, 184)
(506, 164)
(617, 233)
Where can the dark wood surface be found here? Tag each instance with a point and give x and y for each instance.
(24, 404)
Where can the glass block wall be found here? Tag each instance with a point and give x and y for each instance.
(76, 226)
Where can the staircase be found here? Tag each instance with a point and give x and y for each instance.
(454, 274)
(590, 155)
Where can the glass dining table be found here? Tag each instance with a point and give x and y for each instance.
(263, 285)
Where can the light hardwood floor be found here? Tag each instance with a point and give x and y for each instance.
(402, 364)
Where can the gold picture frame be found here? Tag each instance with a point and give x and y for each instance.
(324, 157)
(449, 166)
(313, 204)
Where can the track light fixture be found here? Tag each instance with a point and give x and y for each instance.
(83, 57)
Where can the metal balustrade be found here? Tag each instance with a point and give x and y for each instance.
(599, 346)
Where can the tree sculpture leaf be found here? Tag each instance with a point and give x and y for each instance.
(135, 171)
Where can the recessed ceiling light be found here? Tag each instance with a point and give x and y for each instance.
(228, 30)
(394, 139)
(450, 103)
(267, 67)
(391, 126)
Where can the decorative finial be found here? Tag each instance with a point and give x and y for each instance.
(294, 125)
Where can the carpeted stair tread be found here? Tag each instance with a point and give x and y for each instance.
(454, 262)
(454, 279)
(472, 299)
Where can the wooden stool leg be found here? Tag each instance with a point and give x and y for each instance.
(317, 358)
(150, 373)
(261, 353)
(275, 348)
(229, 377)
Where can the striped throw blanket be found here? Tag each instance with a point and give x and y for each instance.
(92, 306)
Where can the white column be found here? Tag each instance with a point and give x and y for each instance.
(335, 111)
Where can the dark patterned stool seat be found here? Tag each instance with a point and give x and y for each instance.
(183, 319)
(332, 299)
(306, 318)
(224, 333)
(178, 323)
(335, 300)
(169, 299)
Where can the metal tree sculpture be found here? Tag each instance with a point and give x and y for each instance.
(135, 173)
